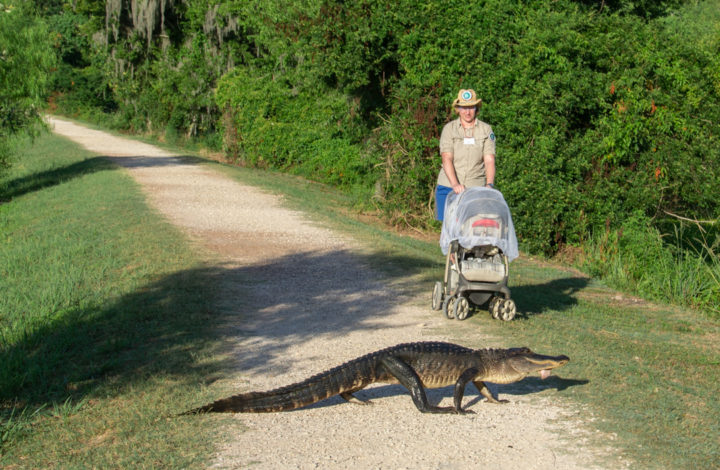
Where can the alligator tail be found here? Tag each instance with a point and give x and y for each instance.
(339, 380)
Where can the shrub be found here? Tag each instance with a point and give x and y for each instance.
(271, 123)
(600, 110)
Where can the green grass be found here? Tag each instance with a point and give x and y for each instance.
(106, 327)
(104, 320)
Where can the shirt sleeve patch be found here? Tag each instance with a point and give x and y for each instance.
(492, 136)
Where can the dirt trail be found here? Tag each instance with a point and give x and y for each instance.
(305, 301)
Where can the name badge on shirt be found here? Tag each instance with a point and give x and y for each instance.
(469, 141)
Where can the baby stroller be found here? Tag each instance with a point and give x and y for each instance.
(478, 239)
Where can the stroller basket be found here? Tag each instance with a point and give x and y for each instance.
(483, 269)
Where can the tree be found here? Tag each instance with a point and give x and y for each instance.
(26, 59)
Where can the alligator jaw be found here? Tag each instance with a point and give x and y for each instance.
(523, 361)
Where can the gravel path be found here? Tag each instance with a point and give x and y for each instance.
(305, 301)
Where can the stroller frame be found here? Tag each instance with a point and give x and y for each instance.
(478, 239)
(455, 294)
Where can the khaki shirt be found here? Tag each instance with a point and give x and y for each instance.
(467, 154)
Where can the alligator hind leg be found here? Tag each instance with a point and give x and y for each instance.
(410, 380)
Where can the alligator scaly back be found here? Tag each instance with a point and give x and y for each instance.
(414, 365)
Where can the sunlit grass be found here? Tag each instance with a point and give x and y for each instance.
(666, 267)
(651, 370)
(104, 309)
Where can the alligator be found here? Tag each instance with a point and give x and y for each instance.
(414, 365)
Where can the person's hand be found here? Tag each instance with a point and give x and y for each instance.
(458, 188)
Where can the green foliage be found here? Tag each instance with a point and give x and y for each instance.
(408, 179)
(179, 96)
(641, 8)
(589, 120)
(78, 83)
(592, 103)
(293, 129)
(25, 62)
(601, 109)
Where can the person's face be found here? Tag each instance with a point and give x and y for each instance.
(467, 113)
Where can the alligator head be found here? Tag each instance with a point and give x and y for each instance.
(520, 362)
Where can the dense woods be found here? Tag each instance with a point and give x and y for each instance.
(606, 112)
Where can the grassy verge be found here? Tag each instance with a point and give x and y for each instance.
(681, 266)
(103, 320)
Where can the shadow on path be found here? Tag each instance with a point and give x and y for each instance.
(157, 330)
(471, 398)
(258, 311)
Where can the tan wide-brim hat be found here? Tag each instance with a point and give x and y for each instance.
(467, 98)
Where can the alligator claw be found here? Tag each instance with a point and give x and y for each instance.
(498, 402)
(350, 398)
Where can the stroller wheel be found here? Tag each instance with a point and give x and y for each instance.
(461, 308)
(448, 307)
(507, 310)
(437, 296)
(494, 307)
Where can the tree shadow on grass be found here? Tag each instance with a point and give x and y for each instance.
(44, 179)
(150, 332)
(257, 312)
(36, 181)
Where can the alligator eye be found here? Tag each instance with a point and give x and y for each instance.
(523, 350)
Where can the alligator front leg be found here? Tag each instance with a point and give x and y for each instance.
(410, 380)
(484, 391)
(462, 381)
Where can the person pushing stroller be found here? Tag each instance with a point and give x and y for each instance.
(478, 236)
(467, 149)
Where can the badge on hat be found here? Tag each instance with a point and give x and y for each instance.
(467, 98)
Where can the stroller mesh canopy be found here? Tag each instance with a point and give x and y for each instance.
(477, 217)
